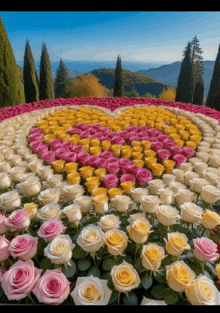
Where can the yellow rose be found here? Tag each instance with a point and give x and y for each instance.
(146, 144)
(176, 243)
(49, 137)
(116, 241)
(74, 178)
(139, 228)
(179, 276)
(125, 277)
(191, 144)
(149, 161)
(101, 204)
(169, 165)
(58, 165)
(100, 191)
(70, 167)
(210, 219)
(113, 192)
(92, 183)
(202, 291)
(149, 153)
(139, 163)
(116, 149)
(86, 171)
(95, 150)
(94, 142)
(31, 209)
(126, 153)
(157, 169)
(152, 254)
(100, 172)
(127, 187)
(106, 145)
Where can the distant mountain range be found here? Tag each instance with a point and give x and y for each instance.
(169, 73)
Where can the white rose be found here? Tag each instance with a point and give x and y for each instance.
(101, 204)
(49, 211)
(179, 174)
(167, 196)
(35, 164)
(30, 187)
(202, 291)
(49, 195)
(176, 186)
(168, 179)
(16, 172)
(150, 203)
(200, 168)
(85, 203)
(91, 291)
(184, 196)
(108, 222)
(210, 194)
(10, 200)
(45, 172)
(155, 186)
(27, 176)
(189, 176)
(59, 250)
(137, 194)
(91, 238)
(186, 166)
(14, 159)
(191, 212)
(196, 184)
(121, 203)
(5, 180)
(167, 215)
(73, 191)
(139, 228)
(73, 213)
(53, 181)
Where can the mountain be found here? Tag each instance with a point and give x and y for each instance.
(142, 83)
(169, 73)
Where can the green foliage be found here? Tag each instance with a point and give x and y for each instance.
(46, 86)
(30, 77)
(61, 81)
(11, 89)
(133, 93)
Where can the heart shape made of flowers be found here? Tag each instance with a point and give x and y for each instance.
(114, 151)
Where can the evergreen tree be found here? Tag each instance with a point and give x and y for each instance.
(133, 92)
(184, 90)
(213, 88)
(118, 84)
(11, 88)
(46, 86)
(61, 81)
(30, 77)
(197, 72)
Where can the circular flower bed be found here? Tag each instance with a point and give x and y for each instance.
(109, 201)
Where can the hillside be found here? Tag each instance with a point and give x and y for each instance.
(169, 73)
(142, 84)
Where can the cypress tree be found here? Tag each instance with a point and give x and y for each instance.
(184, 90)
(30, 77)
(61, 81)
(213, 88)
(11, 88)
(198, 72)
(118, 84)
(46, 86)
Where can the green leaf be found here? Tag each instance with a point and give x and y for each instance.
(78, 252)
(158, 292)
(130, 299)
(170, 296)
(139, 266)
(107, 276)
(84, 264)
(147, 281)
(114, 297)
(94, 271)
(45, 264)
(69, 269)
(108, 263)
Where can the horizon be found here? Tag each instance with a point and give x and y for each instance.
(99, 36)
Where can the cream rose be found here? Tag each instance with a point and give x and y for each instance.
(73, 192)
(121, 203)
(16, 172)
(191, 212)
(155, 185)
(73, 213)
(29, 187)
(59, 250)
(150, 203)
(35, 164)
(85, 203)
(53, 181)
(139, 228)
(91, 238)
(168, 179)
(125, 277)
(108, 222)
(179, 276)
(116, 241)
(183, 196)
(49, 195)
(151, 255)
(202, 291)
(210, 194)
(50, 211)
(176, 243)
(167, 215)
(10, 200)
(45, 172)
(137, 194)
(166, 196)
(5, 180)
(196, 184)
(101, 204)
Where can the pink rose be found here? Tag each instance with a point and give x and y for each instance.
(83, 158)
(92, 160)
(205, 249)
(124, 134)
(2, 271)
(70, 157)
(4, 248)
(20, 279)
(188, 152)
(110, 181)
(113, 168)
(132, 169)
(123, 164)
(106, 154)
(52, 287)
(35, 136)
(143, 176)
(175, 150)
(34, 144)
(117, 140)
(179, 159)
(53, 142)
(100, 162)
(168, 143)
(49, 157)
(3, 221)
(157, 145)
(78, 149)
(127, 177)
(23, 247)
(163, 154)
(18, 219)
(61, 153)
(50, 229)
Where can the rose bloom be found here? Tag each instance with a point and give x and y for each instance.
(20, 279)
(50, 229)
(137, 194)
(179, 276)
(167, 215)
(49, 211)
(205, 249)
(5, 180)
(10, 200)
(73, 191)
(73, 213)
(85, 203)
(125, 277)
(59, 250)
(210, 219)
(127, 177)
(150, 203)
(151, 255)
(143, 176)
(49, 195)
(18, 220)
(121, 203)
(210, 194)
(139, 228)
(127, 187)
(179, 159)
(52, 287)
(29, 187)
(23, 247)
(3, 223)
(108, 222)
(4, 248)
(202, 291)
(176, 243)
(116, 241)
(91, 238)
(155, 186)
(191, 212)
(184, 195)
(110, 181)
(167, 196)
(91, 291)
(101, 204)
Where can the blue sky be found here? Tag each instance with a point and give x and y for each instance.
(137, 36)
